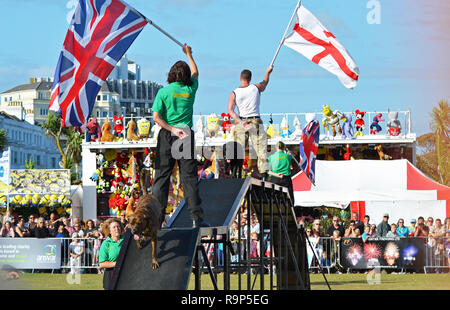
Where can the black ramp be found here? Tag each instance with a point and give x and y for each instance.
(219, 199)
(176, 249)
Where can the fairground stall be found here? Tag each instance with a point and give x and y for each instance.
(118, 152)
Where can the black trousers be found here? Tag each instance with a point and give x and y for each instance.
(187, 163)
(284, 181)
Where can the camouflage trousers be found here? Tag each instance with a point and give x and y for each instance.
(258, 137)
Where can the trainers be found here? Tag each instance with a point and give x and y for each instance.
(200, 223)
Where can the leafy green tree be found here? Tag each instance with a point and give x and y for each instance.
(3, 139)
(68, 141)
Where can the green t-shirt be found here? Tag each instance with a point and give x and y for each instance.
(280, 162)
(175, 103)
(109, 250)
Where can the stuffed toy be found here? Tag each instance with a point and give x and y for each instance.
(226, 124)
(106, 132)
(200, 133)
(93, 132)
(143, 129)
(347, 127)
(271, 131)
(297, 134)
(359, 123)
(381, 154)
(284, 128)
(332, 119)
(118, 127)
(375, 127)
(348, 155)
(155, 129)
(394, 126)
(121, 159)
(212, 125)
(131, 127)
(146, 170)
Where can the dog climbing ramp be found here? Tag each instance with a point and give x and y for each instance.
(176, 249)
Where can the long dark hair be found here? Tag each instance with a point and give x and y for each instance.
(180, 72)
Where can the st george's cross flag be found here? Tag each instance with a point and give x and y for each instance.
(309, 145)
(100, 33)
(311, 39)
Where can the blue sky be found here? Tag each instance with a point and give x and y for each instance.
(403, 60)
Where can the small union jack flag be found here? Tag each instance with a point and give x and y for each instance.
(100, 33)
(308, 149)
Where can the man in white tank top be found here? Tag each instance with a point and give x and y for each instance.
(247, 99)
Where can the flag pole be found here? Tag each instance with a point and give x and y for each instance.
(284, 35)
(152, 23)
(165, 33)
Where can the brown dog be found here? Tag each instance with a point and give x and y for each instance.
(381, 154)
(131, 127)
(144, 224)
(106, 132)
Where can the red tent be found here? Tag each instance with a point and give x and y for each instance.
(374, 187)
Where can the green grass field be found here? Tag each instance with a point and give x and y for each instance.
(45, 281)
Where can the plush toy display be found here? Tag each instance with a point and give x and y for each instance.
(131, 127)
(359, 123)
(106, 132)
(284, 126)
(155, 130)
(297, 134)
(212, 127)
(200, 133)
(375, 127)
(271, 131)
(332, 119)
(347, 127)
(118, 127)
(226, 124)
(348, 155)
(381, 154)
(143, 128)
(93, 132)
(146, 170)
(394, 126)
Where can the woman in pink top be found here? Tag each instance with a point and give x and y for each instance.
(7, 230)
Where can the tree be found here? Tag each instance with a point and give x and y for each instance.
(3, 139)
(434, 159)
(30, 164)
(440, 124)
(68, 141)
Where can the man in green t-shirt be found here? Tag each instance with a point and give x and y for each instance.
(280, 169)
(172, 110)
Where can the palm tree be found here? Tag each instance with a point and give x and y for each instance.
(440, 124)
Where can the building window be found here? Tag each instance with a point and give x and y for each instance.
(53, 162)
(38, 160)
(105, 114)
(98, 98)
(105, 97)
(43, 112)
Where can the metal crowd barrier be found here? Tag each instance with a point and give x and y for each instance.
(88, 258)
(327, 251)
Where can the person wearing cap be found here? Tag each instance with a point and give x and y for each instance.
(412, 228)
(384, 227)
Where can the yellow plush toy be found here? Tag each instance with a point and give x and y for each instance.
(212, 125)
(143, 128)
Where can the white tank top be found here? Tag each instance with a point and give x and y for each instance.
(247, 100)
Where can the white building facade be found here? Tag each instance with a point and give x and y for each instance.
(29, 141)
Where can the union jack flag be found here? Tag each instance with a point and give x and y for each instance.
(100, 33)
(308, 149)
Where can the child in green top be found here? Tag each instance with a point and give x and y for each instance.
(280, 169)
